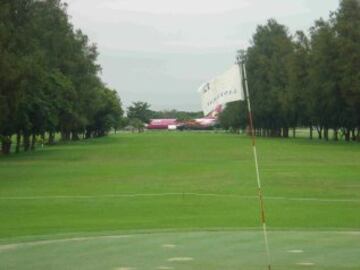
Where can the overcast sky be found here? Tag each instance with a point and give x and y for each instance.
(161, 51)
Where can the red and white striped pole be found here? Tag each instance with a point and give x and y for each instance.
(242, 66)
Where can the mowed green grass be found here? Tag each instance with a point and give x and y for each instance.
(182, 183)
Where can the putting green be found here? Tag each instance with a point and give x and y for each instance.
(186, 250)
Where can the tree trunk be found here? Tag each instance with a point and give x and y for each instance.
(275, 132)
(347, 135)
(33, 142)
(319, 130)
(286, 132)
(26, 142)
(51, 140)
(311, 132)
(42, 140)
(75, 136)
(88, 134)
(65, 135)
(336, 134)
(6, 145)
(18, 142)
(326, 134)
(353, 135)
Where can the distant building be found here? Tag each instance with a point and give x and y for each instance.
(206, 122)
(173, 124)
(162, 123)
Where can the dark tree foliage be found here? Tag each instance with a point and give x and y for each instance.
(235, 116)
(297, 81)
(346, 24)
(299, 91)
(140, 111)
(324, 97)
(49, 79)
(267, 62)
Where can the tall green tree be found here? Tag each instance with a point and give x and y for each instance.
(267, 61)
(140, 110)
(346, 24)
(324, 77)
(234, 116)
(298, 69)
(49, 77)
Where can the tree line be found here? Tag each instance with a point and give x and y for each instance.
(304, 80)
(49, 78)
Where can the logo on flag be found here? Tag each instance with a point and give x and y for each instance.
(221, 90)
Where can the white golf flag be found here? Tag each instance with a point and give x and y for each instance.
(221, 90)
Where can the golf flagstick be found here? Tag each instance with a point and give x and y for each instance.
(242, 66)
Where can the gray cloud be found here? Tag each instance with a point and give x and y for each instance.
(160, 51)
